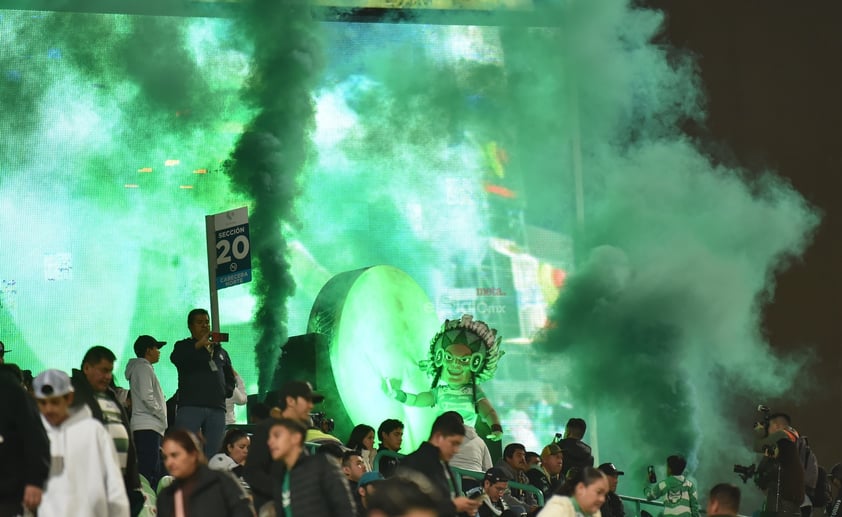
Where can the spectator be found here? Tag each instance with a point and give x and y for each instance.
(546, 476)
(780, 472)
(494, 487)
(25, 449)
(92, 387)
(724, 500)
(237, 398)
(402, 497)
(834, 509)
(431, 461)
(581, 494)
(367, 485)
(682, 499)
(613, 505)
(149, 409)
(577, 454)
(390, 434)
(513, 463)
(353, 467)
(533, 459)
(362, 440)
(196, 490)
(473, 454)
(85, 476)
(333, 451)
(305, 485)
(233, 454)
(205, 380)
(295, 399)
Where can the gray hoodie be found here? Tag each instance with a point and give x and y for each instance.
(149, 410)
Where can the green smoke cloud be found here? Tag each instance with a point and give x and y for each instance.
(660, 323)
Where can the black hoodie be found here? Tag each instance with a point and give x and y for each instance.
(576, 454)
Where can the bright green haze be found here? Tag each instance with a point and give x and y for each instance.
(489, 162)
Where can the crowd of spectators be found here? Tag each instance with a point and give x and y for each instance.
(78, 445)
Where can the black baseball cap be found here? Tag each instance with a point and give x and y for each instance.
(301, 389)
(610, 470)
(144, 343)
(3, 349)
(495, 475)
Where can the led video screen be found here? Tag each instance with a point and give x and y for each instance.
(115, 134)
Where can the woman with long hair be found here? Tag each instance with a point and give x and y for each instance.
(582, 493)
(196, 490)
(362, 441)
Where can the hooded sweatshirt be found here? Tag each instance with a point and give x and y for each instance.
(680, 496)
(85, 477)
(149, 409)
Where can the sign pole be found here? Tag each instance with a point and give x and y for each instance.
(210, 235)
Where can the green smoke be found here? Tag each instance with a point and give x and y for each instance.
(268, 157)
(660, 322)
(402, 158)
(109, 137)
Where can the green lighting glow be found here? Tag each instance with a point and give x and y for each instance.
(491, 169)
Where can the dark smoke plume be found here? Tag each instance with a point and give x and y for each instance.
(265, 164)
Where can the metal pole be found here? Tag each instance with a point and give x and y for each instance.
(214, 297)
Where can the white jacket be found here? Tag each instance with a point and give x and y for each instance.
(561, 506)
(239, 398)
(85, 478)
(149, 410)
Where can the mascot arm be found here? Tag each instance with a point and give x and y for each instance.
(487, 412)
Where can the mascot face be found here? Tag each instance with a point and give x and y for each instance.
(457, 364)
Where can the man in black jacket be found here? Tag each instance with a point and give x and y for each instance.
(205, 380)
(546, 476)
(306, 485)
(24, 447)
(92, 386)
(577, 454)
(780, 473)
(613, 505)
(431, 460)
(295, 401)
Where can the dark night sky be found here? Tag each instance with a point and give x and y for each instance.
(772, 72)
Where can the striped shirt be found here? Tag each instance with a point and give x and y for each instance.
(113, 422)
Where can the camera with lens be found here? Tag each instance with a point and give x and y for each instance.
(745, 472)
(320, 421)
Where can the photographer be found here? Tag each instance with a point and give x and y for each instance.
(780, 473)
(320, 428)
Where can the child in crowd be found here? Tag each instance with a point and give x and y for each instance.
(679, 492)
(85, 477)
